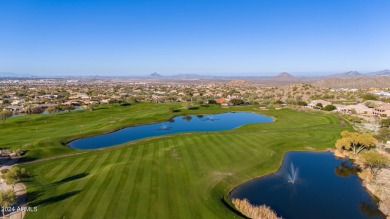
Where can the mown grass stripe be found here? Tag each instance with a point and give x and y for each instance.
(95, 194)
(68, 169)
(107, 190)
(72, 184)
(193, 163)
(143, 204)
(128, 159)
(177, 183)
(189, 141)
(224, 146)
(126, 203)
(135, 194)
(164, 188)
(212, 150)
(152, 207)
(87, 185)
(171, 196)
(123, 202)
(56, 169)
(188, 181)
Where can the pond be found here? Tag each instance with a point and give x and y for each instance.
(311, 185)
(197, 123)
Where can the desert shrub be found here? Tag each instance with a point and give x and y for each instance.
(370, 97)
(236, 101)
(4, 171)
(253, 211)
(329, 108)
(302, 103)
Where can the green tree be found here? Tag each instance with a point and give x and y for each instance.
(383, 135)
(355, 142)
(5, 114)
(278, 102)
(329, 108)
(370, 104)
(15, 175)
(385, 122)
(370, 97)
(319, 105)
(52, 109)
(10, 179)
(67, 108)
(5, 101)
(7, 198)
(354, 119)
(375, 162)
(236, 101)
(212, 102)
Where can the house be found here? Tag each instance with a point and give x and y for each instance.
(221, 100)
(346, 109)
(360, 109)
(382, 110)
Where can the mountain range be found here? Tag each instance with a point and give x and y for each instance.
(349, 74)
(14, 75)
(385, 72)
(281, 76)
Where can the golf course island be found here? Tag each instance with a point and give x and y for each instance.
(184, 174)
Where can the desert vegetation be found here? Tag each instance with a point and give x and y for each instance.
(356, 142)
(253, 211)
(370, 162)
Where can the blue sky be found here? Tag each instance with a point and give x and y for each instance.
(220, 37)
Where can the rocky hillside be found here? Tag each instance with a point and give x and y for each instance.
(362, 82)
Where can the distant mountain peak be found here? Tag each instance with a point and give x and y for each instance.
(156, 75)
(285, 75)
(348, 74)
(352, 73)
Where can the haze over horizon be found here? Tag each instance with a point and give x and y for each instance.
(207, 37)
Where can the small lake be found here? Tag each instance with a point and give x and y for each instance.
(311, 185)
(197, 123)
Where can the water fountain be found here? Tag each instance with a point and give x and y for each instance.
(209, 118)
(293, 174)
(164, 127)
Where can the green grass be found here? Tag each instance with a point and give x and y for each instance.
(45, 135)
(179, 176)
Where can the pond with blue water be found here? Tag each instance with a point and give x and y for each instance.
(179, 124)
(312, 185)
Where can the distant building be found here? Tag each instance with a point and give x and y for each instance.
(360, 109)
(382, 110)
(221, 100)
(382, 93)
